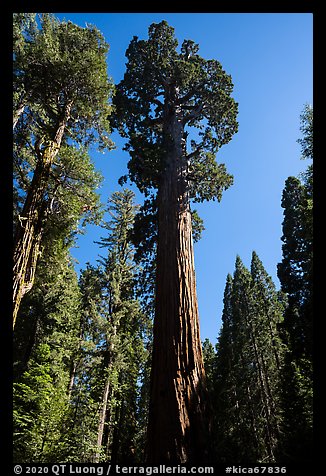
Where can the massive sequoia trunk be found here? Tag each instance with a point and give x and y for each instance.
(177, 417)
(29, 230)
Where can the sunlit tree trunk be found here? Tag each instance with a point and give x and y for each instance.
(30, 227)
(177, 419)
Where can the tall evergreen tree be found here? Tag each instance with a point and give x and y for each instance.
(48, 330)
(225, 398)
(163, 95)
(87, 342)
(24, 35)
(250, 354)
(266, 315)
(124, 348)
(245, 368)
(85, 383)
(61, 96)
(45, 338)
(296, 276)
(295, 270)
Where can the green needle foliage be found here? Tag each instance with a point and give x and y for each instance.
(129, 326)
(247, 373)
(109, 365)
(56, 63)
(205, 104)
(83, 345)
(296, 276)
(62, 101)
(46, 337)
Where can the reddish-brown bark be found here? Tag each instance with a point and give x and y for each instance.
(177, 418)
(29, 230)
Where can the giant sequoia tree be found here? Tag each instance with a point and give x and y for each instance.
(176, 110)
(61, 99)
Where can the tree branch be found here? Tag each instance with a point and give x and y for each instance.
(23, 178)
(193, 114)
(189, 108)
(155, 122)
(190, 94)
(196, 151)
(158, 103)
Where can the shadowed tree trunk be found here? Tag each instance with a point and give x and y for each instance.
(177, 420)
(102, 417)
(19, 111)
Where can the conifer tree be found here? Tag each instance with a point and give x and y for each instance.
(85, 383)
(24, 35)
(226, 395)
(124, 344)
(266, 315)
(250, 356)
(245, 368)
(114, 330)
(295, 270)
(164, 94)
(296, 276)
(209, 362)
(61, 97)
(80, 355)
(48, 330)
(45, 338)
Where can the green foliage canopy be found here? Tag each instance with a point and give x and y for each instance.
(203, 103)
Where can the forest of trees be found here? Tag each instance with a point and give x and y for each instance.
(108, 363)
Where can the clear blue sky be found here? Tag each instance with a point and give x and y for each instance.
(269, 56)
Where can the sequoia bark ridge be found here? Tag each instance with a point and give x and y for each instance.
(177, 419)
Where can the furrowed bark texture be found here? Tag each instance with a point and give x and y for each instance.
(177, 416)
(30, 227)
(28, 237)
